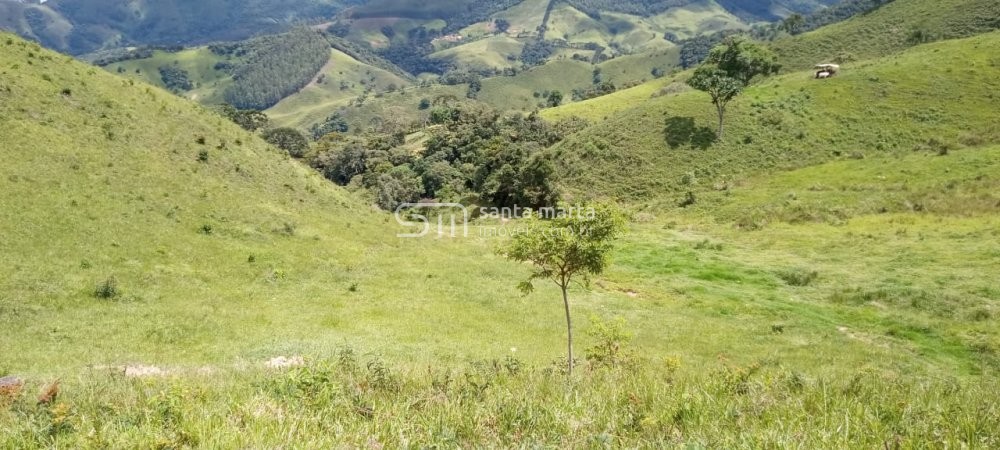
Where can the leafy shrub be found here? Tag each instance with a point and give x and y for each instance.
(287, 139)
(706, 244)
(611, 349)
(798, 276)
(332, 124)
(248, 119)
(107, 289)
(688, 200)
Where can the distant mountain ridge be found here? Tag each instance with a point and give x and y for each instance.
(85, 26)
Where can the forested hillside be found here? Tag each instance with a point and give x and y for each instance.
(273, 67)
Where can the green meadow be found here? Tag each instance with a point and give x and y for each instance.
(824, 276)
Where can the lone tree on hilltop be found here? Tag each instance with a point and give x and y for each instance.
(729, 68)
(565, 249)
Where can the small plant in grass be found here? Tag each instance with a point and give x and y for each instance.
(287, 229)
(706, 244)
(107, 289)
(798, 276)
(202, 155)
(688, 200)
(380, 377)
(205, 229)
(612, 338)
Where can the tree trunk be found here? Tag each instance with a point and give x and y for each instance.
(722, 112)
(569, 329)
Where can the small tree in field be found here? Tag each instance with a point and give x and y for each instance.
(567, 249)
(729, 68)
(720, 86)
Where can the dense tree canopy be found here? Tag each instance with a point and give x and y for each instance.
(275, 67)
(287, 139)
(175, 78)
(471, 151)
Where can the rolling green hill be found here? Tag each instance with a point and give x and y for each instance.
(891, 28)
(156, 257)
(932, 97)
(200, 63)
(342, 80)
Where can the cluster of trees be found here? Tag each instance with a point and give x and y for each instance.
(599, 87)
(109, 57)
(643, 8)
(695, 50)
(175, 78)
(457, 13)
(537, 52)
(249, 119)
(472, 151)
(597, 90)
(412, 56)
(796, 24)
(334, 123)
(274, 67)
(289, 140)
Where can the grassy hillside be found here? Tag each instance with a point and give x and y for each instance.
(342, 80)
(891, 28)
(633, 33)
(494, 52)
(517, 92)
(225, 254)
(199, 63)
(930, 99)
(605, 107)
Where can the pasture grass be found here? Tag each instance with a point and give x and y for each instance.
(342, 80)
(931, 99)
(841, 318)
(889, 29)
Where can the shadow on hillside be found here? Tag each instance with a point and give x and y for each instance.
(680, 131)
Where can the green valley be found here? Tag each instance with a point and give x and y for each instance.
(371, 248)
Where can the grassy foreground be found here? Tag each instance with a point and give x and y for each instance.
(354, 401)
